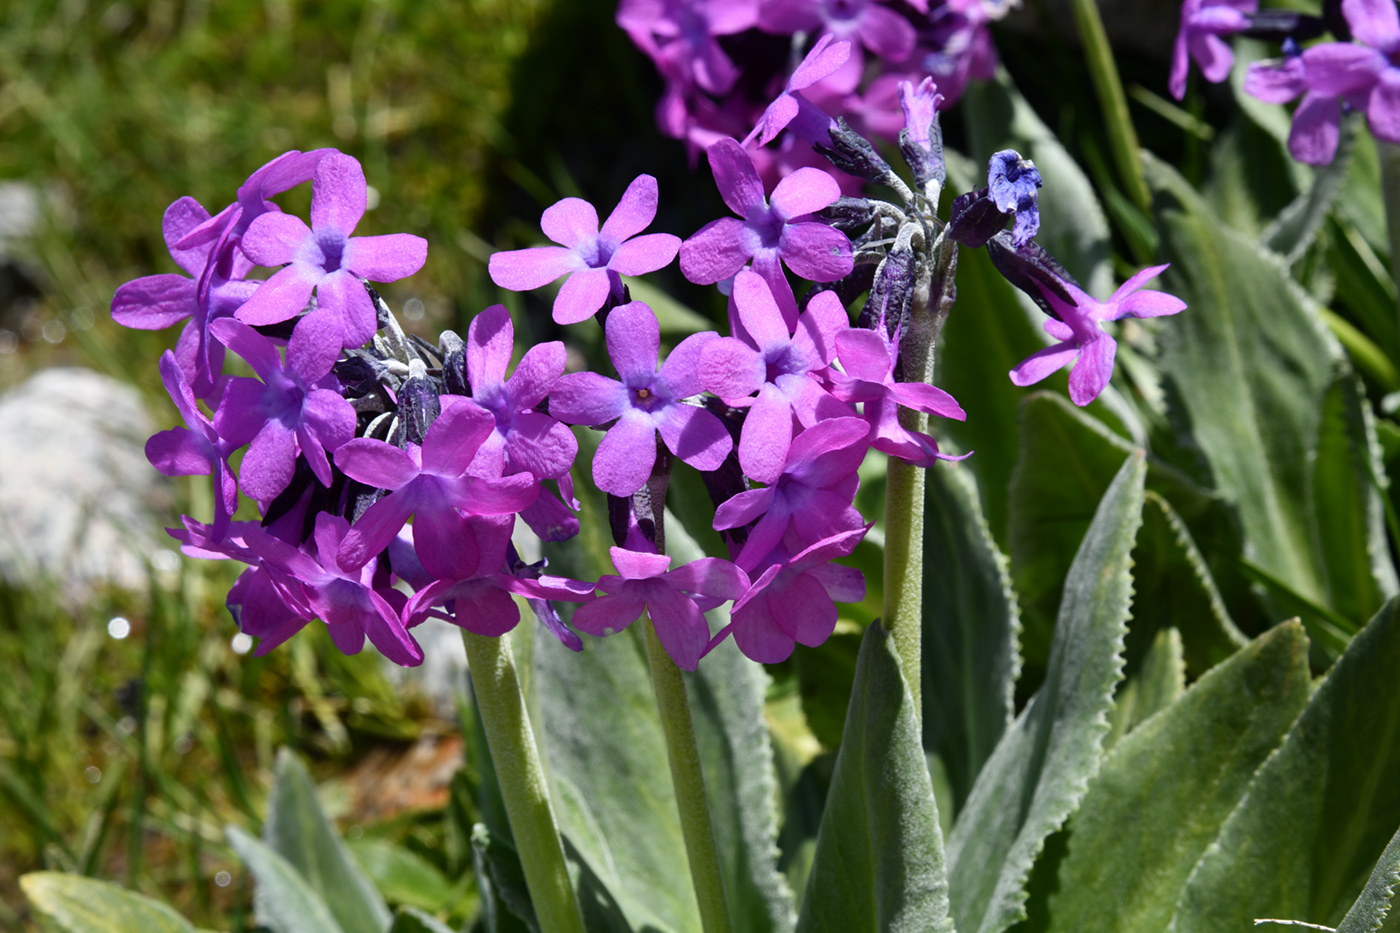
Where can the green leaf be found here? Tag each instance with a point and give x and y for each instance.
(1250, 362)
(674, 317)
(413, 920)
(1156, 685)
(1295, 228)
(1163, 793)
(401, 875)
(505, 897)
(1072, 224)
(971, 626)
(1038, 772)
(1320, 810)
(297, 829)
(283, 901)
(74, 904)
(726, 705)
(1369, 912)
(879, 862)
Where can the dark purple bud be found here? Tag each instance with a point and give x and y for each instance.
(1014, 186)
(1281, 25)
(848, 214)
(639, 520)
(974, 219)
(921, 138)
(542, 608)
(454, 364)
(1029, 267)
(892, 294)
(381, 307)
(419, 405)
(359, 375)
(848, 289)
(853, 154)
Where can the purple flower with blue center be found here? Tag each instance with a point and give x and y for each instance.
(1203, 22)
(645, 584)
(593, 259)
(782, 367)
(296, 408)
(769, 234)
(326, 259)
(1014, 186)
(1083, 341)
(687, 51)
(648, 400)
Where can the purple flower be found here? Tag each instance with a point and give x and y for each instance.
(1082, 337)
(810, 501)
(862, 22)
(646, 401)
(1013, 183)
(295, 408)
(795, 601)
(645, 585)
(868, 358)
(815, 251)
(327, 259)
(196, 450)
(792, 109)
(432, 483)
(780, 366)
(1203, 22)
(688, 51)
(344, 597)
(594, 260)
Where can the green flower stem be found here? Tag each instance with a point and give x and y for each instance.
(688, 779)
(1122, 137)
(517, 762)
(903, 613)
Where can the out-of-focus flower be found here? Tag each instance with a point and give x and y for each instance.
(1203, 22)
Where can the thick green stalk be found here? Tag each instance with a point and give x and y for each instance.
(1122, 137)
(517, 763)
(903, 614)
(688, 779)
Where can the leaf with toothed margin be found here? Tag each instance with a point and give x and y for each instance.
(1040, 769)
(1375, 905)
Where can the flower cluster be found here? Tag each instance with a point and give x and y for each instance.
(723, 60)
(1357, 72)
(390, 473)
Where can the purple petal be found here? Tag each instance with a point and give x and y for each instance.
(864, 354)
(766, 436)
(588, 398)
(1150, 304)
(373, 530)
(582, 294)
(1316, 129)
(541, 445)
(338, 194)
(767, 264)
(502, 496)
(570, 222)
(748, 506)
(275, 238)
(842, 584)
(154, 302)
(454, 437)
(816, 252)
(758, 312)
(329, 419)
(1181, 65)
(279, 298)
(935, 401)
(804, 610)
(522, 270)
(342, 294)
(633, 214)
(1383, 109)
(680, 627)
(757, 635)
(268, 465)
(444, 542)
(789, 16)
(645, 254)
(386, 258)
(694, 435)
(1273, 84)
(817, 329)
(257, 350)
(387, 634)
(1040, 364)
(493, 612)
(681, 372)
(550, 519)
(1342, 67)
(627, 453)
(1093, 370)
(805, 191)
(731, 369)
(634, 341)
(178, 452)
(829, 452)
(716, 251)
(886, 33)
(1213, 54)
(826, 56)
(375, 463)
(710, 576)
(1373, 22)
(774, 120)
(315, 345)
(241, 413)
(736, 177)
(608, 615)
(490, 342)
(182, 217)
(638, 565)
(536, 373)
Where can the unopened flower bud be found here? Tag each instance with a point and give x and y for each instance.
(1029, 267)
(853, 154)
(848, 214)
(419, 405)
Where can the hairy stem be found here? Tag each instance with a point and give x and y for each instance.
(1103, 71)
(517, 762)
(688, 779)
